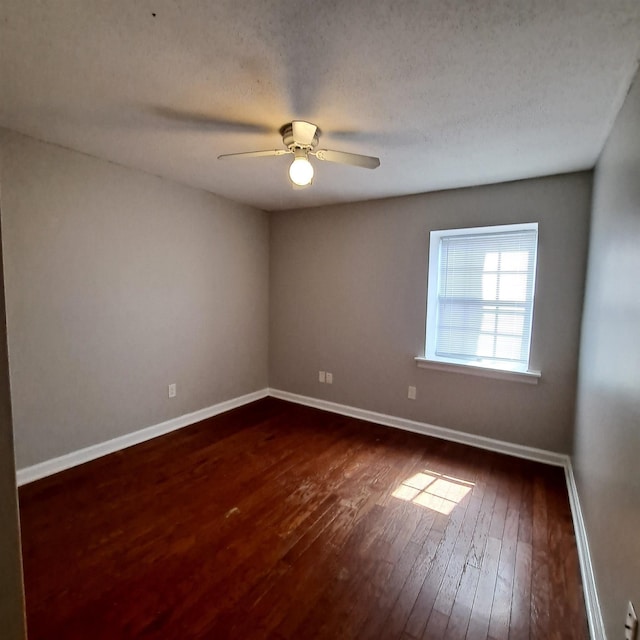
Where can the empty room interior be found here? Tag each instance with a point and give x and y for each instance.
(322, 319)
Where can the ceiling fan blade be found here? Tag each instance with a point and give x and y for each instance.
(202, 121)
(303, 132)
(355, 159)
(255, 154)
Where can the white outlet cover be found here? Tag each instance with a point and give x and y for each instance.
(321, 376)
(412, 393)
(172, 390)
(329, 378)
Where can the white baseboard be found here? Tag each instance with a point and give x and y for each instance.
(49, 467)
(592, 603)
(481, 442)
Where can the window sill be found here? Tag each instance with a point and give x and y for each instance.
(528, 377)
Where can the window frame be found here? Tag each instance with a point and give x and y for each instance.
(433, 361)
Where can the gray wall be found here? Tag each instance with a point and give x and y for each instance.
(348, 295)
(11, 594)
(117, 284)
(607, 438)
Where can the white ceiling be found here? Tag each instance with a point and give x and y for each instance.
(447, 93)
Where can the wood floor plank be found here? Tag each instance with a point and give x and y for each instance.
(390, 592)
(465, 595)
(574, 596)
(285, 522)
(428, 539)
(423, 606)
(359, 564)
(437, 626)
(457, 565)
(563, 573)
(521, 600)
(481, 611)
(501, 608)
(404, 524)
(540, 581)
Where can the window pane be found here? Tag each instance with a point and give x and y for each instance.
(513, 287)
(485, 346)
(457, 342)
(511, 324)
(489, 286)
(515, 260)
(489, 322)
(491, 261)
(508, 347)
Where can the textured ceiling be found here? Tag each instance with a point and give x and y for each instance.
(446, 93)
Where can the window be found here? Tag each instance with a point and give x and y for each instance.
(480, 297)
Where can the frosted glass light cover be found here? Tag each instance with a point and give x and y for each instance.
(301, 172)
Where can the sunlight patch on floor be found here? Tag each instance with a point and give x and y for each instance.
(434, 491)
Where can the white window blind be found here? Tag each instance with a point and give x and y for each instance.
(481, 294)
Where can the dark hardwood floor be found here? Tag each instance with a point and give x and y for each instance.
(279, 521)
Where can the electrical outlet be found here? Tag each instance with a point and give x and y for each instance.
(172, 390)
(412, 393)
(329, 378)
(321, 376)
(631, 623)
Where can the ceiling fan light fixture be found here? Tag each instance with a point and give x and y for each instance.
(300, 138)
(301, 170)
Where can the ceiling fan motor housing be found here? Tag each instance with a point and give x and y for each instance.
(286, 131)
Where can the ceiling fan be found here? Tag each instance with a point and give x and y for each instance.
(301, 139)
